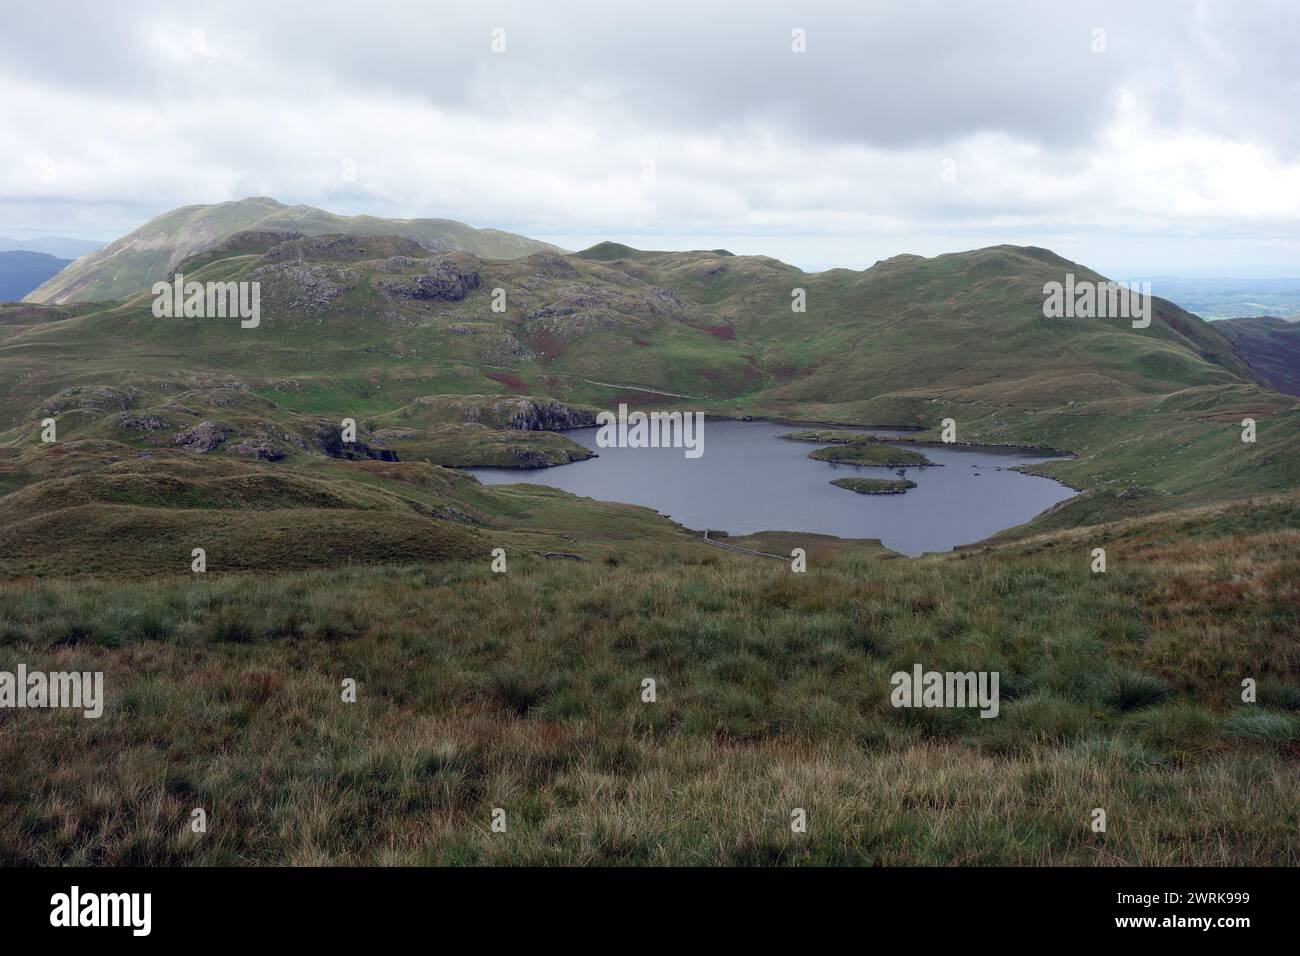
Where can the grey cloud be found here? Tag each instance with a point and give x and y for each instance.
(1182, 129)
(875, 73)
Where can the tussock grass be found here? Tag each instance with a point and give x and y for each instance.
(522, 691)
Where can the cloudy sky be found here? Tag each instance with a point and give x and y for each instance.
(1134, 137)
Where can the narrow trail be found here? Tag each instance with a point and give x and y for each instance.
(652, 391)
(737, 548)
(590, 381)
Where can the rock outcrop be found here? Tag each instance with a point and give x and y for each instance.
(342, 248)
(203, 437)
(537, 416)
(446, 279)
(144, 423)
(92, 398)
(329, 439)
(262, 451)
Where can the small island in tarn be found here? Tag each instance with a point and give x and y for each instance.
(872, 453)
(828, 437)
(875, 486)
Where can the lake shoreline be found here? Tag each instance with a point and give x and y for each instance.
(1001, 446)
(750, 480)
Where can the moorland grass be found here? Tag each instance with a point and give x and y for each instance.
(523, 691)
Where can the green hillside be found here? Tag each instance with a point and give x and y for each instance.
(409, 343)
(133, 263)
(1270, 345)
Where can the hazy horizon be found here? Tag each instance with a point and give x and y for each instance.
(576, 244)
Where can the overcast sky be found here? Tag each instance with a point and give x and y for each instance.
(1168, 143)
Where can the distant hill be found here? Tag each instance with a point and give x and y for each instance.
(1270, 345)
(131, 264)
(21, 272)
(58, 246)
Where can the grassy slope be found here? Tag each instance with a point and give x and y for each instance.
(522, 690)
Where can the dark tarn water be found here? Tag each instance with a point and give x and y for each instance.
(750, 480)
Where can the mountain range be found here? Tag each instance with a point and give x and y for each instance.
(58, 246)
(153, 251)
(22, 271)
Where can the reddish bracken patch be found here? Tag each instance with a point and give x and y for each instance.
(546, 344)
(1174, 323)
(639, 341)
(725, 332)
(510, 382)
